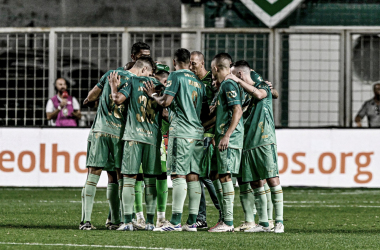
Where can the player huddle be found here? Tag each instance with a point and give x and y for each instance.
(219, 127)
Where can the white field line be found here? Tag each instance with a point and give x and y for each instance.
(332, 206)
(97, 246)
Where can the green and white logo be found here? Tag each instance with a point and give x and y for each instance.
(271, 12)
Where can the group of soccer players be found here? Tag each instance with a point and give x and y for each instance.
(220, 126)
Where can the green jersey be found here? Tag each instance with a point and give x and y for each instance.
(210, 94)
(144, 114)
(207, 81)
(185, 110)
(230, 94)
(256, 77)
(110, 118)
(259, 123)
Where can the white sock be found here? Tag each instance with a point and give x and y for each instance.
(160, 215)
(140, 215)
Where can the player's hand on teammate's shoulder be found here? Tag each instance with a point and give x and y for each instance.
(114, 79)
(269, 84)
(149, 88)
(232, 77)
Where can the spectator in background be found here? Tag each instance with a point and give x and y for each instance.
(371, 109)
(62, 110)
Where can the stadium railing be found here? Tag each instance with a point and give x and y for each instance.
(323, 74)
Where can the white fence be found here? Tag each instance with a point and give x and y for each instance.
(323, 74)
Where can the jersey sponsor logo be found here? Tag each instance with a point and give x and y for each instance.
(195, 84)
(271, 12)
(231, 94)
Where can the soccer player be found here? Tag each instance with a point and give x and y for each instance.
(104, 139)
(142, 141)
(138, 49)
(197, 66)
(229, 134)
(260, 152)
(185, 95)
(161, 75)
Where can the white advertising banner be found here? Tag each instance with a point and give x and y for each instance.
(52, 157)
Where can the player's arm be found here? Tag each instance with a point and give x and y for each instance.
(210, 123)
(93, 95)
(165, 114)
(114, 82)
(165, 100)
(255, 92)
(236, 115)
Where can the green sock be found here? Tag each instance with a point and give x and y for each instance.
(278, 202)
(83, 203)
(121, 183)
(150, 197)
(261, 205)
(179, 196)
(90, 191)
(219, 194)
(127, 218)
(128, 198)
(246, 198)
(228, 202)
(162, 195)
(150, 218)
(194, 191)
(114, 202)
(139, 196)
(269, 200)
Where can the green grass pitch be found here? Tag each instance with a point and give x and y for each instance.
(315, 218)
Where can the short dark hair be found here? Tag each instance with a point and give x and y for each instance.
(146, 60)
(223, 56)
(162, 73)
(223, 60)
(136, 47)
(241, 63)
(182, 55)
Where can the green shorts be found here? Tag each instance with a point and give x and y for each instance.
(105, 151)
(208, 162)
(184, 156)
(260, 163)
(138, 154)
(227, 161)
